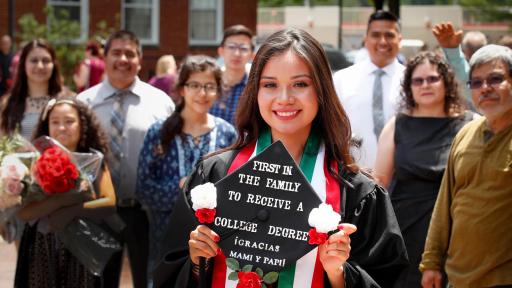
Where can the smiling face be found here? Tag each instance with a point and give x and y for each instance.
(122, 63)
(39, 66)
(200, 92)
(287, 98)
(431, 93)
(493, 101)
(64, 125)
(383, 42)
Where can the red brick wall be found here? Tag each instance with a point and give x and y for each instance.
(104, 10)
(4, 17)
(241, 12)
(174, 30)
(173, 24)
(173, 35)
(20, 7)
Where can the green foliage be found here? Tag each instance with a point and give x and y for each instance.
(10, 144)
(61, 32)
(281, 3)
(490, 10)
(247, 268)
(259, 272)
(233, 276)
(233, 264)
(270, 277)
(427, 2)
(103, 30)
(366, 3)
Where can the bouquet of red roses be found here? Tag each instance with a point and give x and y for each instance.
(16, 158)
(59, 171)
(55, 172)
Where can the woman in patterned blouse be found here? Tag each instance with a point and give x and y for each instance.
(172, 147)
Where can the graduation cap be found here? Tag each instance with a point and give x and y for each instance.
(262, 211)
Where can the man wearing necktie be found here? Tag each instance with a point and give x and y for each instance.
(368, 90)
(127, 107)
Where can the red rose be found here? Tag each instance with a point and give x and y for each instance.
(55, 172)
(317, 238)
(205, 215)
(248, 280)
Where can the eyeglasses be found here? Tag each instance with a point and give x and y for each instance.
(243, 48)
(418, 81)
(196, 87)
(491, 80)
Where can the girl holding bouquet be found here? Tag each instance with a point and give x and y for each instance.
(290, 97)
(42, 260)
(172, 147)
(37, 81)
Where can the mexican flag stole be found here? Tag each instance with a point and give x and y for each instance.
(307, 271)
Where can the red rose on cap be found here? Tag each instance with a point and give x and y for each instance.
(316, 237)
(248, 280)
(205, 215)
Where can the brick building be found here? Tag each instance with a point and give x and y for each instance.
(177, 27)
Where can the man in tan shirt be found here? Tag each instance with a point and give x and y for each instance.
(470, 231)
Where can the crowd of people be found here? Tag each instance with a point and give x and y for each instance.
(421, 154)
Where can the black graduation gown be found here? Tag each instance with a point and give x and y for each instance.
(377, 257)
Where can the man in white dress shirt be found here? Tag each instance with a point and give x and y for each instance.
(369, 89)
(126, 108)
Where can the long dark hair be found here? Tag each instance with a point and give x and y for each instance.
(91, 133)
(14, 108)
(331, 121)
(452, 102)
(173, 125)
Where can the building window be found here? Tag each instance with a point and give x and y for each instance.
(77, 10)
(142, 18)
(205, 22)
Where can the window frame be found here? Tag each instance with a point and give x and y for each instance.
(155, 20)
(219, 26)
(84, 16)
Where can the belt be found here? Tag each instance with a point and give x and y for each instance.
(127, 202)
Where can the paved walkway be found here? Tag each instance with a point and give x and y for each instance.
(7, 264)
(8, 267)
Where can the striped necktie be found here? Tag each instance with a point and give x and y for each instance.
(378, 109)
(117, 119)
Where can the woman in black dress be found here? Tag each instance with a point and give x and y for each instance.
(413, 150)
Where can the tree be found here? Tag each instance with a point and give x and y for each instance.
(62, 33)
(490, 10)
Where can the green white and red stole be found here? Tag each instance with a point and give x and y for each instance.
(308, 270)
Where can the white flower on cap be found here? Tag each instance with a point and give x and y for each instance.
(324, 218)
(204, 196)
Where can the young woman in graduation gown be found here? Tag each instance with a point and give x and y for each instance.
(290, 97)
